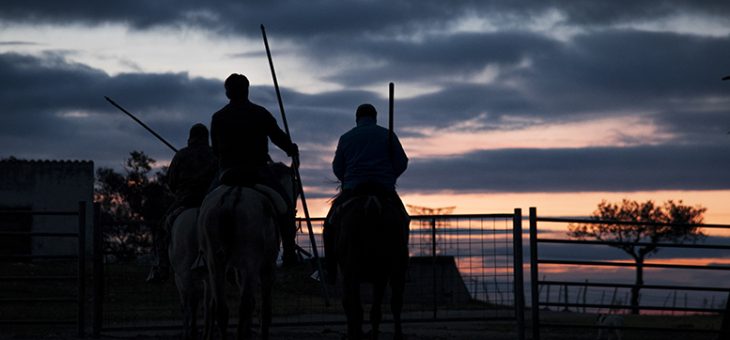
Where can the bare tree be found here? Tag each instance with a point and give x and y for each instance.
(683, 220)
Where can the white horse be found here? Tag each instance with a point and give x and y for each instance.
(183, 251)
(238, 233)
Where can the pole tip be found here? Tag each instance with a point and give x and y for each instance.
(262, 26)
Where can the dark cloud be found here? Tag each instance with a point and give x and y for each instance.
(17, 43)
(432, 59)
(328, 17)
(642, 168)
(53, 99)
(669, 79)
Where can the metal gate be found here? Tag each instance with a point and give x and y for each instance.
(462, 268)
(36, 285)
(574, 304)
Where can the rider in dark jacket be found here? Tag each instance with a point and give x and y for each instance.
(189, 175)
(366, 157)
(192, 169)
(240, 134)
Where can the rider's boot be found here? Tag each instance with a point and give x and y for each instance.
(288, 232)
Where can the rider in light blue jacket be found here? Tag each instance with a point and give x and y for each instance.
(367, 159)
(362, 154)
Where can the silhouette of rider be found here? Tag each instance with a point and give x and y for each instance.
(189, 175)
(365, 160)
(240, 134)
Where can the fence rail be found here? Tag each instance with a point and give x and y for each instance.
(463, 268)
(536, 260)
(78, 279)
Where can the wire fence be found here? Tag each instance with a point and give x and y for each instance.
(37, 288)
(462, 267)
(691, 287)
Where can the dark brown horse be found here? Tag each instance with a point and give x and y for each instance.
(372, 246)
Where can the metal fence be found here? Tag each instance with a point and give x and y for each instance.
(40, 283)
(462, 267)
(581, 296)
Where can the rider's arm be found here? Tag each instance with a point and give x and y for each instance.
(280, 138)
(172, 170)
(338, 163)
(400, 160)
(214, 137)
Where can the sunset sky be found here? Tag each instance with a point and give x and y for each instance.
(499, 104)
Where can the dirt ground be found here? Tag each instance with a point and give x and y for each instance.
(428, 331)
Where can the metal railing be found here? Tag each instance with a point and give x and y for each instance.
(486, 249)
(78, 279)
(536, 261)
(466, 268)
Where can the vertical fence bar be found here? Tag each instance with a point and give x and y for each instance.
(519, 284)
(82, 268)
(433, 266)
(535, 307)
(98, 274)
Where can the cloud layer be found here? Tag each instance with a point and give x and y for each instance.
(471, 66)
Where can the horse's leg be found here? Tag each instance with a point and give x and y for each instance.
(376, 312)
(397, 286)
(194, 305)
(246, 306)
(218, 296)
(183, 306)
(267, 281)
(208, 314)
(353, 306)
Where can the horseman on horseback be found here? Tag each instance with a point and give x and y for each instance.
(364, 162)
(189, 176)
(240, 134)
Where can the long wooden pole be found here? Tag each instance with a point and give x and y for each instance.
(141, 123)
(391, 132)
(297, 177)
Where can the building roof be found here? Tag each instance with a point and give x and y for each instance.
(44, 161)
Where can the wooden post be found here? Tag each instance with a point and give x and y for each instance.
(82, 270)
(391, 131)
(433, 266)
(534, 276)
(98, 279)
(519, 284)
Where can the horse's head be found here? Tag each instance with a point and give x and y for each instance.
(285, 175)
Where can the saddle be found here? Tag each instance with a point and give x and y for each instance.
(251, 178)
(375, 193)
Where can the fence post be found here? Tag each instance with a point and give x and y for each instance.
(433, 266)
(535, 307)
(98, 275)
(518, 273)
(82, 269)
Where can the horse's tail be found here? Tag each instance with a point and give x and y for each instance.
(228, 204)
